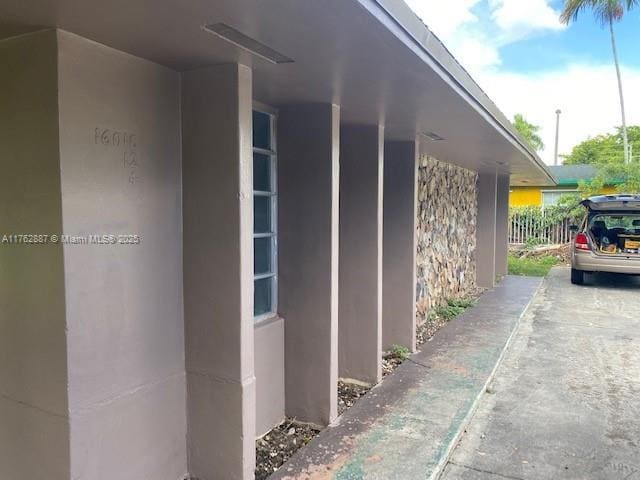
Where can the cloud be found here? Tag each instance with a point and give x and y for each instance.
(456, 24)
(586, 94)
(445, 18)
(476, 30)
(517, 19)
(474, 53)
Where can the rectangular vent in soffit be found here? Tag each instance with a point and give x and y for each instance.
(245, 42)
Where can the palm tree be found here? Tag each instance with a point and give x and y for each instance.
(528, 131)
(606, 12)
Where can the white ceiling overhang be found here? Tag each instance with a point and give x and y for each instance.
(374, 58)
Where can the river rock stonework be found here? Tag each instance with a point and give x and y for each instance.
(446, 233)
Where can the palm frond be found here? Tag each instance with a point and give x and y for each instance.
(572, 10)
(605, 11)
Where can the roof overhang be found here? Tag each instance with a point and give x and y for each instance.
(374, 58)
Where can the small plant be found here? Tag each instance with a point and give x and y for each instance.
(533, 242)
(447, 312)
(453, 308)
(462, 302)
(398, 351)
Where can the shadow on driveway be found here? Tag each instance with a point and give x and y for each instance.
(612, 280)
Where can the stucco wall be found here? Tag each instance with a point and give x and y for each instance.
(34, 428)
(446, 229)
(120, 164)
(218, 271)
(269, 344)
(521, 196)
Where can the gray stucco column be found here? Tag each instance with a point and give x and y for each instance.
(308, 187)
(361, 195)
(399, 254)
(218, 269)
(34, 406)
(502, 224)
(486, 230)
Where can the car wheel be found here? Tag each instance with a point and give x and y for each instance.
(577, 277)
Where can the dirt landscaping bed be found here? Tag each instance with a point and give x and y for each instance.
(279, 445)
(440, 316)
(276, 447)
(348, 395)
(393, 358)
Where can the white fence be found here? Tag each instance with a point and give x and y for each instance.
(523, 227)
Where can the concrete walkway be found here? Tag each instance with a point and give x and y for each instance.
(566, 401)
(406, 427)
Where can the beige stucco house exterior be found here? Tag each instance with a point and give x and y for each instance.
(230, 199)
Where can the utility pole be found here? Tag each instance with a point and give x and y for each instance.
(555, 155)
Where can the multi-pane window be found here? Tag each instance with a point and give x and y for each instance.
(551, 197)
(265, 208)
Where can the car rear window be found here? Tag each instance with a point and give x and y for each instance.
(619, 221)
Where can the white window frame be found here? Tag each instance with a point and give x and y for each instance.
(273, 195)
(561, 192)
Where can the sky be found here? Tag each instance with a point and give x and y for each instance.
(530, 63)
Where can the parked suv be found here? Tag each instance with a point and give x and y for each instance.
(609, 238)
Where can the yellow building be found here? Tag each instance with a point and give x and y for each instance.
(567, 177)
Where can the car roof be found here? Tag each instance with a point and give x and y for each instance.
(616, 203)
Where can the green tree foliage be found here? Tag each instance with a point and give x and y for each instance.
(605, 11)
(607, 148)
(606, 153)
(626, 177)
(528, 131)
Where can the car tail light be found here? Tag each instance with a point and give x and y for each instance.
(582, 242)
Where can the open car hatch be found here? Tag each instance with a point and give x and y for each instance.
(613, 203)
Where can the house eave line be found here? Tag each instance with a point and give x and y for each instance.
(386, 8)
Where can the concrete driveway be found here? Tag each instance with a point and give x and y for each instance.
(565, 403)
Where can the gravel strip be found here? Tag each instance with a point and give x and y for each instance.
(279, 445)
(427, 329)
(348, 394)
(389, 364)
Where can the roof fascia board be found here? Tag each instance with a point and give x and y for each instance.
(393, 14)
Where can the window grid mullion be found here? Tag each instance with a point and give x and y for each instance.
(265, 235)
(263, 151)
(273, 234)
(262, 276)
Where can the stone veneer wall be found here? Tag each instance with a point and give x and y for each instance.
(446, 233)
